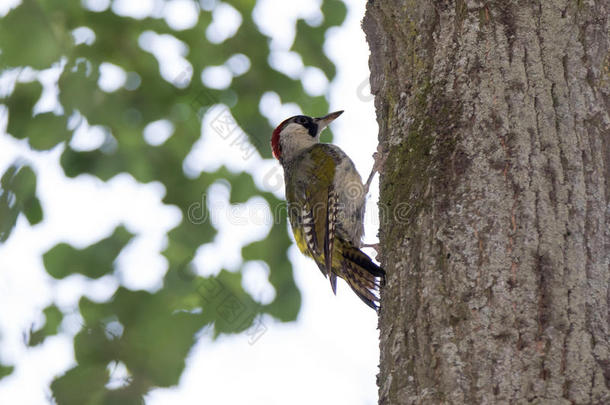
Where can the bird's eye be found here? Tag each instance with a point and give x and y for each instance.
(301, 120)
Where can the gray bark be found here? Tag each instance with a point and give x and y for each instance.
(495, 200)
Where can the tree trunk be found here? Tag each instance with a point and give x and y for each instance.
(494, 199)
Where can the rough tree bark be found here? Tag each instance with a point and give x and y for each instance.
(495, 196)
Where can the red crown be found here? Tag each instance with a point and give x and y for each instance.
(275, 139)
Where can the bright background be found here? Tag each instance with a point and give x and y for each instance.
(329, 356)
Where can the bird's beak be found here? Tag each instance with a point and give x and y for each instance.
(323, 122)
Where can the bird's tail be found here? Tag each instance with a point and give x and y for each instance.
(362, 275)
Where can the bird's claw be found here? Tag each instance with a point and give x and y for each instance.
(379, 161)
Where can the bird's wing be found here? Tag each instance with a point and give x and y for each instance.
(319, 229)
(318, 214)
(329, 234)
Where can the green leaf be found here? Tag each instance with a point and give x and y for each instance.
(225, 302)
(94, 261)
(81, 385)
(130, 395)
(308, 39)
(334, 12)
(307, 44)
(94, 313)
(95, 345)
(18, 194)
(20, 106)
(78, 87)
(5, 370)
(156, 338)
(33, 210)
(53, 318)
(29, 37)
(47, 130)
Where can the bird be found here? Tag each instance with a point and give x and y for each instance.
(325, 203)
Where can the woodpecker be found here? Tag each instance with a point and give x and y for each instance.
(326, 199)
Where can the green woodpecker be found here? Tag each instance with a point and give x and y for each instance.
(326, 201)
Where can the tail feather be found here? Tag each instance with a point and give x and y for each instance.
(360, 285)
(362, 275)
(360, 258)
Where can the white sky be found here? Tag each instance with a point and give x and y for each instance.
(329, 355)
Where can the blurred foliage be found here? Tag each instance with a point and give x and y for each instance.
(18, 195)
(94, 261)
(151, 333)
(53, 317)
(5, 370)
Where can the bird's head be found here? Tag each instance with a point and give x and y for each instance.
(298, 133)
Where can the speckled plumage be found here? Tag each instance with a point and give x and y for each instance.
(326, 202)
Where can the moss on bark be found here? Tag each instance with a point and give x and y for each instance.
(494, 117)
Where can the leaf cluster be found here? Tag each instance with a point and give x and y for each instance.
(151, 333)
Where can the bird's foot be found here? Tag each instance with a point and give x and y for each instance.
(379, 161)
(374, 246)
